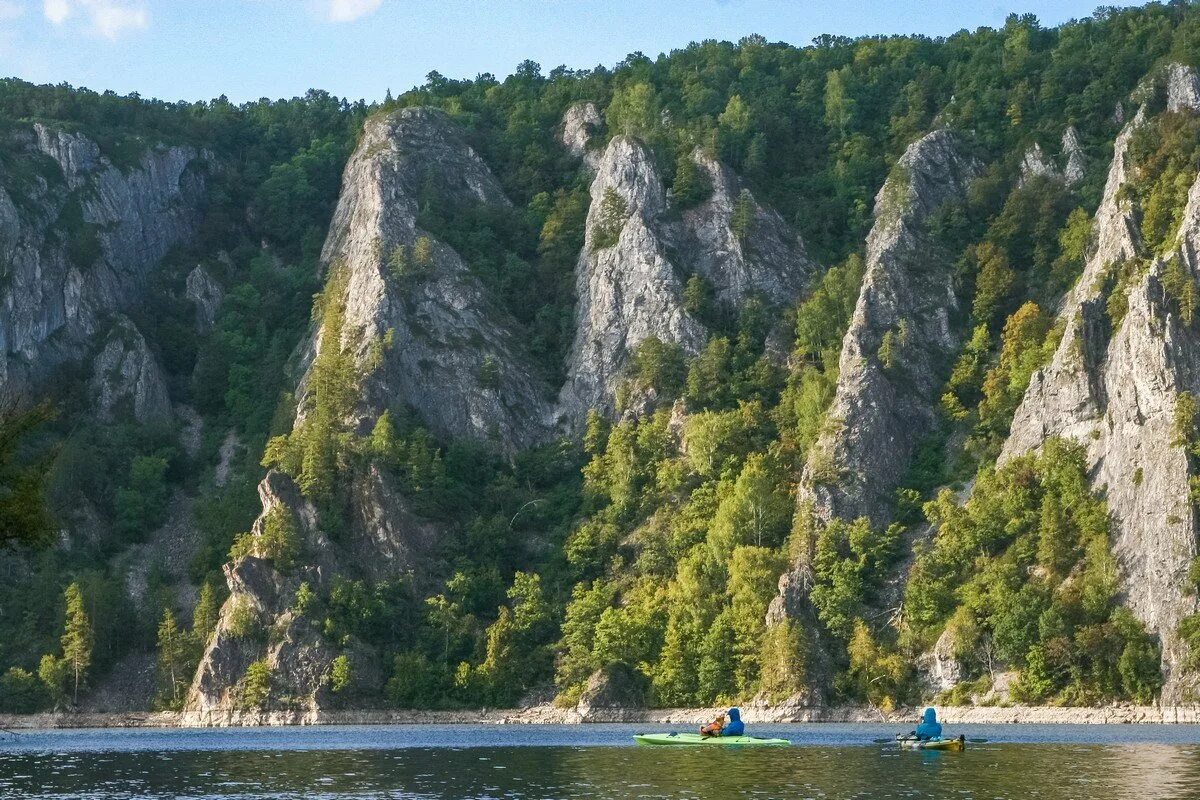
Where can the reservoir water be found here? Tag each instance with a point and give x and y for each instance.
(1057, 762)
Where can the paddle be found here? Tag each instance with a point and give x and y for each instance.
(897, 738)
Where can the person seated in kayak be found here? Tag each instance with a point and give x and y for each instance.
(929, 727)
(719, 727)
(735, 726)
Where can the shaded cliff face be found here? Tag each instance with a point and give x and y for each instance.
(78, 235)
(895, 353)
(419, 330)
(126, 377)
(405, 286)
(1116, 391)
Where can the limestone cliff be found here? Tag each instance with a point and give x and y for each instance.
(1115, 391)
(126, 377)
(770, 262)
(628, 288)
(579, 124)
(638, 254)
(406, 287)
(420, 331)
(78, 235)
(896, 351)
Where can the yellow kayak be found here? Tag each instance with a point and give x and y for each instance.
(953, 745)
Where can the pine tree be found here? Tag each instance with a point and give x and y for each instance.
(742, 221)
(77, 639)
(206, 613)
(174, 658)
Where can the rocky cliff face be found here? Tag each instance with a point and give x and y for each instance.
(444, 329)
(126, 377)
(628, 290)
(579, 124)
(631, 273)
(1036, 163)
(896, 351)
(421, 330)
(78, 235)
(775, 267)
(1115, 391)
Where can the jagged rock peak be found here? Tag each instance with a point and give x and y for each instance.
(206, 294)
(628, 289)
(899, 342)
(1115, 391)
(1036, 164)
(59, 290)
(126, 377)
(579, 123)
(776, 267)
(454, 355)
(1183, 88)
(1073, 171)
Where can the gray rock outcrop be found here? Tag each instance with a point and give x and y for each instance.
(78, 235)
(1036, 164)
(771, 263)
(1073, 170)
(632, 289)
(579, 124)
(127, 379)
(204, 293)
(628, 291)
(896, 351)
(445, 330)
(1115, 392)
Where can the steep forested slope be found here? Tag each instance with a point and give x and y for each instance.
(859, 371)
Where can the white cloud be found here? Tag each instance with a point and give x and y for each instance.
(11, 9)
(57, 11)
(108, 18)
(350, 10)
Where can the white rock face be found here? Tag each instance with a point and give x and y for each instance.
(940, 669)
(774, 266)
(879, 414)
(50, 306)
(1115, 392)
(1183, 88)
(1073, 172)
(1036, 164)
(627, 292)
(444, 326)
(633, 290)
(126, 378)
(579, 123)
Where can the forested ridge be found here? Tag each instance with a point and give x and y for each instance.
(650, 545)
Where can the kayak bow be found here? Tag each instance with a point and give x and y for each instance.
(695, 738)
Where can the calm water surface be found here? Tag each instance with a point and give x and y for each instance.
(595, 761)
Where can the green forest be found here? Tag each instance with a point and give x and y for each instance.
(619, 549)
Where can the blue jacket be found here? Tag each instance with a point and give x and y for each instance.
(929, 728)
(735, 726)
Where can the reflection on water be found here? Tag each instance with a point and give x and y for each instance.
(215, 764)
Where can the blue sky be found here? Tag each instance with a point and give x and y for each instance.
(245, 49)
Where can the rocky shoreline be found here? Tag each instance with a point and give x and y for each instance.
(551, 715)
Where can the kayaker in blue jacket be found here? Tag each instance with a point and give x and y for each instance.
(929, 727)
(735, 726)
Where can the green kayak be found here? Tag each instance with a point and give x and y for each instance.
(695, 738)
